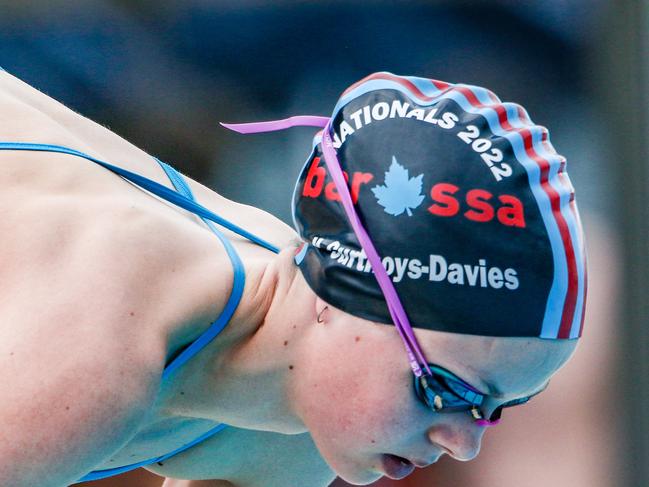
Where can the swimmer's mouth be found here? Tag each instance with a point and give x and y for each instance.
(396, 467)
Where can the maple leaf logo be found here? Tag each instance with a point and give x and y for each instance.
(400, 193)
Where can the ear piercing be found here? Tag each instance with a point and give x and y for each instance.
(320, 320)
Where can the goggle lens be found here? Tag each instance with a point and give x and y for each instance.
(444, 392)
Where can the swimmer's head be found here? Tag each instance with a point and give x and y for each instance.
(466, 201)
(465, 210)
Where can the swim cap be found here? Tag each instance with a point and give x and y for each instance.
(466, 201)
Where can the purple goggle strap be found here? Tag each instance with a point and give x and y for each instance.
(398, 314)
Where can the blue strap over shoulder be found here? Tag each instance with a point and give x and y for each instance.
(146, 183)
(237, 286)
(184, 198)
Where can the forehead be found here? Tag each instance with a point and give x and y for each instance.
(507, 366)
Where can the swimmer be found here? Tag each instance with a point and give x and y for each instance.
(435, 276)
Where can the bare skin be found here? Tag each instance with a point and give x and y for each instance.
(103, 283)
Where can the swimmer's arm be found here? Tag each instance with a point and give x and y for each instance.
(71, 395)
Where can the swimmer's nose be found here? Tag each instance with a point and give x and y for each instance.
(461, 442)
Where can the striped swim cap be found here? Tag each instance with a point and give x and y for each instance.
(468, 205)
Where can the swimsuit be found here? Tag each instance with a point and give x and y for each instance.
(184, 198)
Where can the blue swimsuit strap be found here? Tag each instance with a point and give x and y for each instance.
(186, 201)
(152, 186)
(111, 472)
(215, 328)
(238, 284)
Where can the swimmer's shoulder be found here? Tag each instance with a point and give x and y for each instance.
(57, 203)
(63, 214)
(67, 220)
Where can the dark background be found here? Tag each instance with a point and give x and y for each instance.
(163, 74)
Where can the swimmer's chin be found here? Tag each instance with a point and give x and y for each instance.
(364, 481)
(361, 477)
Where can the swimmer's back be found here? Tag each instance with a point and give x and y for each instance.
(66, 220)
(94, 276)
(61, 213)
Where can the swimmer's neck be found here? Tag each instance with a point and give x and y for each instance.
(246, 380)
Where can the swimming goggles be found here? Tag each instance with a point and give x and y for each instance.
(443, 392)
